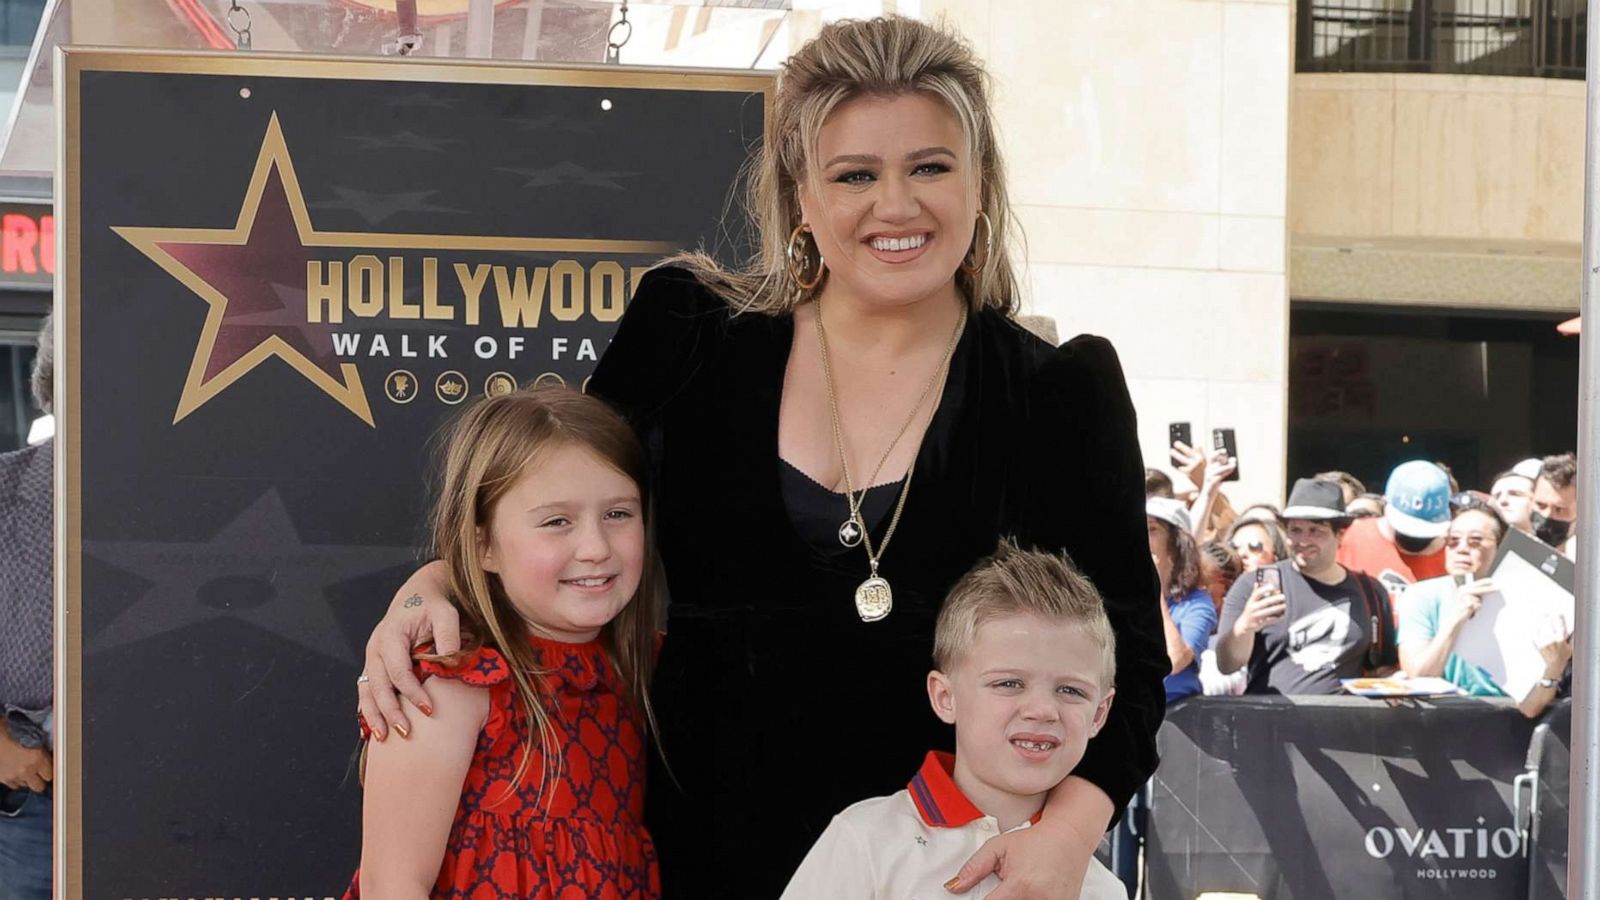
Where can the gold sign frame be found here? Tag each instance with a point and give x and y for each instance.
(71, 63)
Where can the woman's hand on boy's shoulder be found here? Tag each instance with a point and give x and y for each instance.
(1044, 862)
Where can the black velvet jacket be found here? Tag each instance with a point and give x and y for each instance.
(778, 706)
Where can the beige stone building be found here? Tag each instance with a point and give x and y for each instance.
(1345, 229)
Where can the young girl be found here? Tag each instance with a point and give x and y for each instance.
(527, 779)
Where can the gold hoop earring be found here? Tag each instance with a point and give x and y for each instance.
(800, 263)
(973, 264)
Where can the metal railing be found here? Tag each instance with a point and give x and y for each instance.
(1528, 38)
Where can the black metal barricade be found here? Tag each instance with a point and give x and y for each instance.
(1316, 798)
(1541, 803)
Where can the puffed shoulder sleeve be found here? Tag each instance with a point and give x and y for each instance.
(1089, 500)
(483, 667)
(671, 326)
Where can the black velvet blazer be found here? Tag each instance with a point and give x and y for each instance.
(778, 706)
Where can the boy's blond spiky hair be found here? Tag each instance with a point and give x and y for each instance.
(1012, 581)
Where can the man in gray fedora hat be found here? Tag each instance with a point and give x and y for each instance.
(1304, 623)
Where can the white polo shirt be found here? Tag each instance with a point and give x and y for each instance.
(907, 845)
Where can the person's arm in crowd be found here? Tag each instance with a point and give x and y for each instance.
(1191, 628)
(1191, 461)
(1248, 609)
(24, 768)
(1424, 649)
(1216, 470)
(1555, 645)
(1196, 625)
(1178, 650)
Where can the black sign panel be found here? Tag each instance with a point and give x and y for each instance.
(1326, 798)
(282, 276)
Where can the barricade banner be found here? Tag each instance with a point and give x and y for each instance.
(1545, 800)
(1337, 797)
(281, 275)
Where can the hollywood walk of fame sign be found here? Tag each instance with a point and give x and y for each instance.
(279, 277)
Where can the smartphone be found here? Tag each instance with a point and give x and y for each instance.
(1178, 432)
(1222, 439)
(1270, 575)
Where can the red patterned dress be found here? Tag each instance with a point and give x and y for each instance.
(590, 842)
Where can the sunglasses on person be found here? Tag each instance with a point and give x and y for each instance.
(1251, 546)
(1473, 541)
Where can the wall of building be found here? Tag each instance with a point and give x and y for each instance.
(1148, 148)
(1446, 190)
(1437, 156)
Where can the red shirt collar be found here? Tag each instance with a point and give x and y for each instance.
(937, 798)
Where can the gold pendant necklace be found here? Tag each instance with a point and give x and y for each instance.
(874, 598)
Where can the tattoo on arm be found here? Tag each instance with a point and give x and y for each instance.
(413, 601)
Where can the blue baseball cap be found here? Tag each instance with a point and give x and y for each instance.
(1417, 499)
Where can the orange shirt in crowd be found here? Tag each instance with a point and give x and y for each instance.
(1364, 549)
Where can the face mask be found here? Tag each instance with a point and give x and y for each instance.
(1412, 545)
(1552, 531)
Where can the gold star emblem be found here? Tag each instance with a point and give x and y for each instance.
(238, 271)
(252, 278)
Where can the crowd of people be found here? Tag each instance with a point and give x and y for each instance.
(1344, 583)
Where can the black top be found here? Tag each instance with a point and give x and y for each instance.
(778, 706)
(1326, 633)
(817, 511)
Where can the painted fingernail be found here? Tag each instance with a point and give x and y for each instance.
(427, 708)
(404, 731)
(380, 734)
(951, 884)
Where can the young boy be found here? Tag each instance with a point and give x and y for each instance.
(1025, 660)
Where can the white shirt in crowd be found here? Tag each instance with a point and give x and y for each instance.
(907, 845)
(1216, 684)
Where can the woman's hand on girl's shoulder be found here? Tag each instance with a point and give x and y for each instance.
(419, 613)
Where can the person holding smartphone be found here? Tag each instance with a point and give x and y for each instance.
(1300, 625)
(1438, 611)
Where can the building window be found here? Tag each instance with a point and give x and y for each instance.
(1371, 387)
(1531, 38)
(17, 411)
(19, 19)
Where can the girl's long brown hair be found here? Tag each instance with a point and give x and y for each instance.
(484, 452)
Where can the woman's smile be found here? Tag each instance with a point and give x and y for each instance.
(897, 248)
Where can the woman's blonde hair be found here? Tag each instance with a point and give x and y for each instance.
(484, 453)
(881, 57)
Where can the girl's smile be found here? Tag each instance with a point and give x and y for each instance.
(567, 542)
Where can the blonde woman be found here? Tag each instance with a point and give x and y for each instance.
(838, 431)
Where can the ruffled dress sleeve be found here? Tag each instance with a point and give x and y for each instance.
(483, 668)
(1089, 500)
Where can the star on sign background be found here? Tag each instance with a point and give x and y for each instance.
(405, 140)
(568, 173)
(282, 589)
(376, 208)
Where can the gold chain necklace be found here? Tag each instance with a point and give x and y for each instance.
(874, 599)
